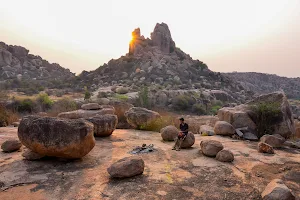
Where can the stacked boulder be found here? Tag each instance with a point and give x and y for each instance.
(103, 118)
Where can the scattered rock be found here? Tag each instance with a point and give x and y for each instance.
(169, 133)
(104, 125)
(189, 141)
(57, 137)
(273, 140)
(11, 145)
(211, 147)
(265, 148)
(277, 190)
(77, 114)
(223, 128)
(138, 117)
(90, 106)
(206, 130)
(30, 155)
(225, 156)
(127, 167)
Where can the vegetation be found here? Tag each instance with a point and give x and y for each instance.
(266, 115)
(87, 94)
(44, 101)
(183, 102)
(121, 97)
(63, 105)
(143, 99)
(7, 117)
(156, 125)
(199, 109)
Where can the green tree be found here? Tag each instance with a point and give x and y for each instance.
(87, 94)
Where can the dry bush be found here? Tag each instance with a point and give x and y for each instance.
(156, 125)
(63, 105)
(7, 117)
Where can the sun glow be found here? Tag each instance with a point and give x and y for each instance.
(92, 33)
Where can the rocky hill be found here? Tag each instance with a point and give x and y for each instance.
(265, 83)
(157, 61)
(18, 66)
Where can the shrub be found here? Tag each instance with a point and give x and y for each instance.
(63, 105)
(87, 94)
(143, 98)
(44, 101)
(156, 125)
(26, 106)
(266, 115)
(183, 102)
(214, 109)
(121, 97)
(7, 117)
(198, 109)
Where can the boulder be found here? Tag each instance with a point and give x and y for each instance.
(139, 117)
(11, 145)
(77, 114)
(169, 133)
(265, 148)
(225, 156)
(250, 136)
(211, 147)
(206, 130)
(224, 128)
(30, 155)
(120, 109)
(273, 140)
(57, 137)
(104, 125)
(189, 141)
(5, 57)
(90, 106)
(277, 190)
(127, 167)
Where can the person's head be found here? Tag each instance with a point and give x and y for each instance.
(181, 120)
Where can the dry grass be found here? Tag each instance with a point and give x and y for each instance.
(7, 117)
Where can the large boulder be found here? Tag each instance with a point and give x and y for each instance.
(120, 108)
(104, 125)
(77, 114)
(139, 117)
(277, 190)
(11, 145)
(169, 133)
(189, 141)
(225, 156)
(273, 140)
(90, 106)
(127, 167)
(246, 116)
(211, 147)
(265, 148)
(161, 37)
(224, 128)
(57, 137)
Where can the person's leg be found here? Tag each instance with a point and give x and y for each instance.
(176, 143)
(179, 144)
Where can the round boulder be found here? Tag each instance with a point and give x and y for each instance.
(169, 133)
(104, 125)
(138, 117)
(273, 140)
(127, 167)
(57, 137)
(90, 106)
(188, 141)
(223, 128)
(211, 147)
(265, 148)
(11, 145)
(225, 156)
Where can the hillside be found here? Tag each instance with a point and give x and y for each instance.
(19, 69)
(264, 83)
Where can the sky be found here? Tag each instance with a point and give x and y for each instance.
(232, 35)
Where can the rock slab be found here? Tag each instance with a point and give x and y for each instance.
(277, 190)
(57, 137)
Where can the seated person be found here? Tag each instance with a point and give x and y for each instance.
(184, 130)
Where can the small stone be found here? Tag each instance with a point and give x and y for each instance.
(127, 167)
(11, 145)
(225, 156)
(265, 148)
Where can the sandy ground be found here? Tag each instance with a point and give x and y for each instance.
(168, 174)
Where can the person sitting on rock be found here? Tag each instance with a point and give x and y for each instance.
(184, 129)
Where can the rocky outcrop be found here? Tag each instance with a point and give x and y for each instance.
(161, 37)
(169, 133)
(225, 156)
(56, 137)
(11, 145)
(248, 115)
(211, 147)
(223, 128)
(77, 114)
(126, 167)
(16, 63)
(277, 190)
(104, 125)
(140, 117)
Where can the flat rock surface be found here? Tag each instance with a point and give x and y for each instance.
(168, 174)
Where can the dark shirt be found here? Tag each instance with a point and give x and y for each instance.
(184, 128)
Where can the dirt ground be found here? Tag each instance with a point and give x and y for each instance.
(168, 174)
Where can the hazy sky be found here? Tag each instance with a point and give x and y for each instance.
(228, 35)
